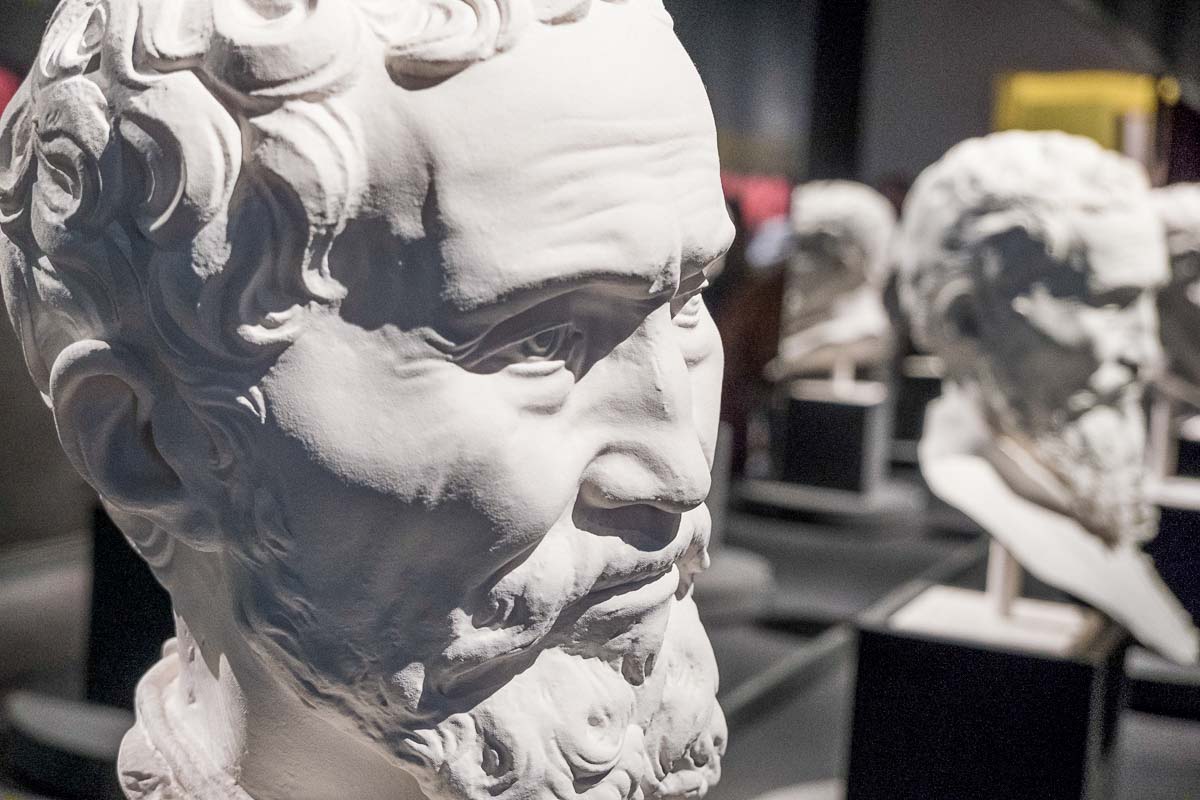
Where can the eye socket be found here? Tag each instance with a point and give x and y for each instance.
(541, 353)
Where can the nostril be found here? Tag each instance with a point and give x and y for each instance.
(643, 526)
(641, 475)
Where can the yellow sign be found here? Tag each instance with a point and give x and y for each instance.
(1096, 104)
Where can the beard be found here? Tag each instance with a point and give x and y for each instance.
(572, 727)
(605, 703)
(1098, 454)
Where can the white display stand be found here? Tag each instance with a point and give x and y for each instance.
(999, 617)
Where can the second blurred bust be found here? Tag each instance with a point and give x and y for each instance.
(833, 315)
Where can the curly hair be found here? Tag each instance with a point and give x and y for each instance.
(849, 211)
(984, 187)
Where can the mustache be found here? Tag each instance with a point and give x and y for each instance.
(1084, 401)
(580, 575)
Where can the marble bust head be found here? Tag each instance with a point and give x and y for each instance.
(1029, 263)
(1179, 301)
(832, 306)
(377, 327)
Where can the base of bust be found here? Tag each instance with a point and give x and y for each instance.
(961, 713)
(1031, 626)
(157, 759)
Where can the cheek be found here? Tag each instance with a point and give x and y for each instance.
(706, 368)
(1038, 368)
(523, 466)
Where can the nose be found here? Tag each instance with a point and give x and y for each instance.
(636, 474)
(1127, 352)
(652, 454)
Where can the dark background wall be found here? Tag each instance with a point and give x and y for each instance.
(756, 59)
(931, 66)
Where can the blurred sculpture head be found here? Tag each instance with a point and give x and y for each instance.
(388, 314)
(843, 227)
(832, 306)
(1029, 263)
(1179, 301)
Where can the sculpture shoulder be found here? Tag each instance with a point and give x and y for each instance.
(144, 773)
(157, 761)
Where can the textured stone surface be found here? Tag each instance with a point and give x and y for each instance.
(377, 328)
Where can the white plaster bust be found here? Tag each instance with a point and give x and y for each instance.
(1029, 263)
(377, 327)
(1179, 300)
(833, 312)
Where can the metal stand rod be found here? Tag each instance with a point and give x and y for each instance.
(1004, 577)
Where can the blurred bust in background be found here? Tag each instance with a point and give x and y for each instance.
(833, 314)
(378, 329)
(1029, 262)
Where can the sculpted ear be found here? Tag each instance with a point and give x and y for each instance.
(955, 323)
(104, 408)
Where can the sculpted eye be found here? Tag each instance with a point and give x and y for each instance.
(542, 352)
(547, 345)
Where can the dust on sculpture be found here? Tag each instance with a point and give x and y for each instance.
(833, 313)
(1179, 301)
(377, 327)
(1029, 263)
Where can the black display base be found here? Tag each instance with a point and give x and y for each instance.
(1176, 554)
(130, 617)
(830, 442)
(917, 383)
(1188, 464)
(945, 720)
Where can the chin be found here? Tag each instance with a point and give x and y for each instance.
(575, 726)
(1099, 456)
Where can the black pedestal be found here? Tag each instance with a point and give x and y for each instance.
(1188, 465)
(941, 720)
(916, 385)
(831, 442)
(1176, 554)
(130, 617)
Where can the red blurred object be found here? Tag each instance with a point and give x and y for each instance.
(760, 197)
(8, 87)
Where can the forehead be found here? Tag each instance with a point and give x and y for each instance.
(587, 151)
(1123, 246)
(1089, 250)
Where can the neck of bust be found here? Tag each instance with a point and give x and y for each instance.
(239, 720)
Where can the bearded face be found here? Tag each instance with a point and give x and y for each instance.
(480, 479)
(1063, 340)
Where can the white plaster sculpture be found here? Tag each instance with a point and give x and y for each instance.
(833, 317)
(377, 326)
(1029, 263)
